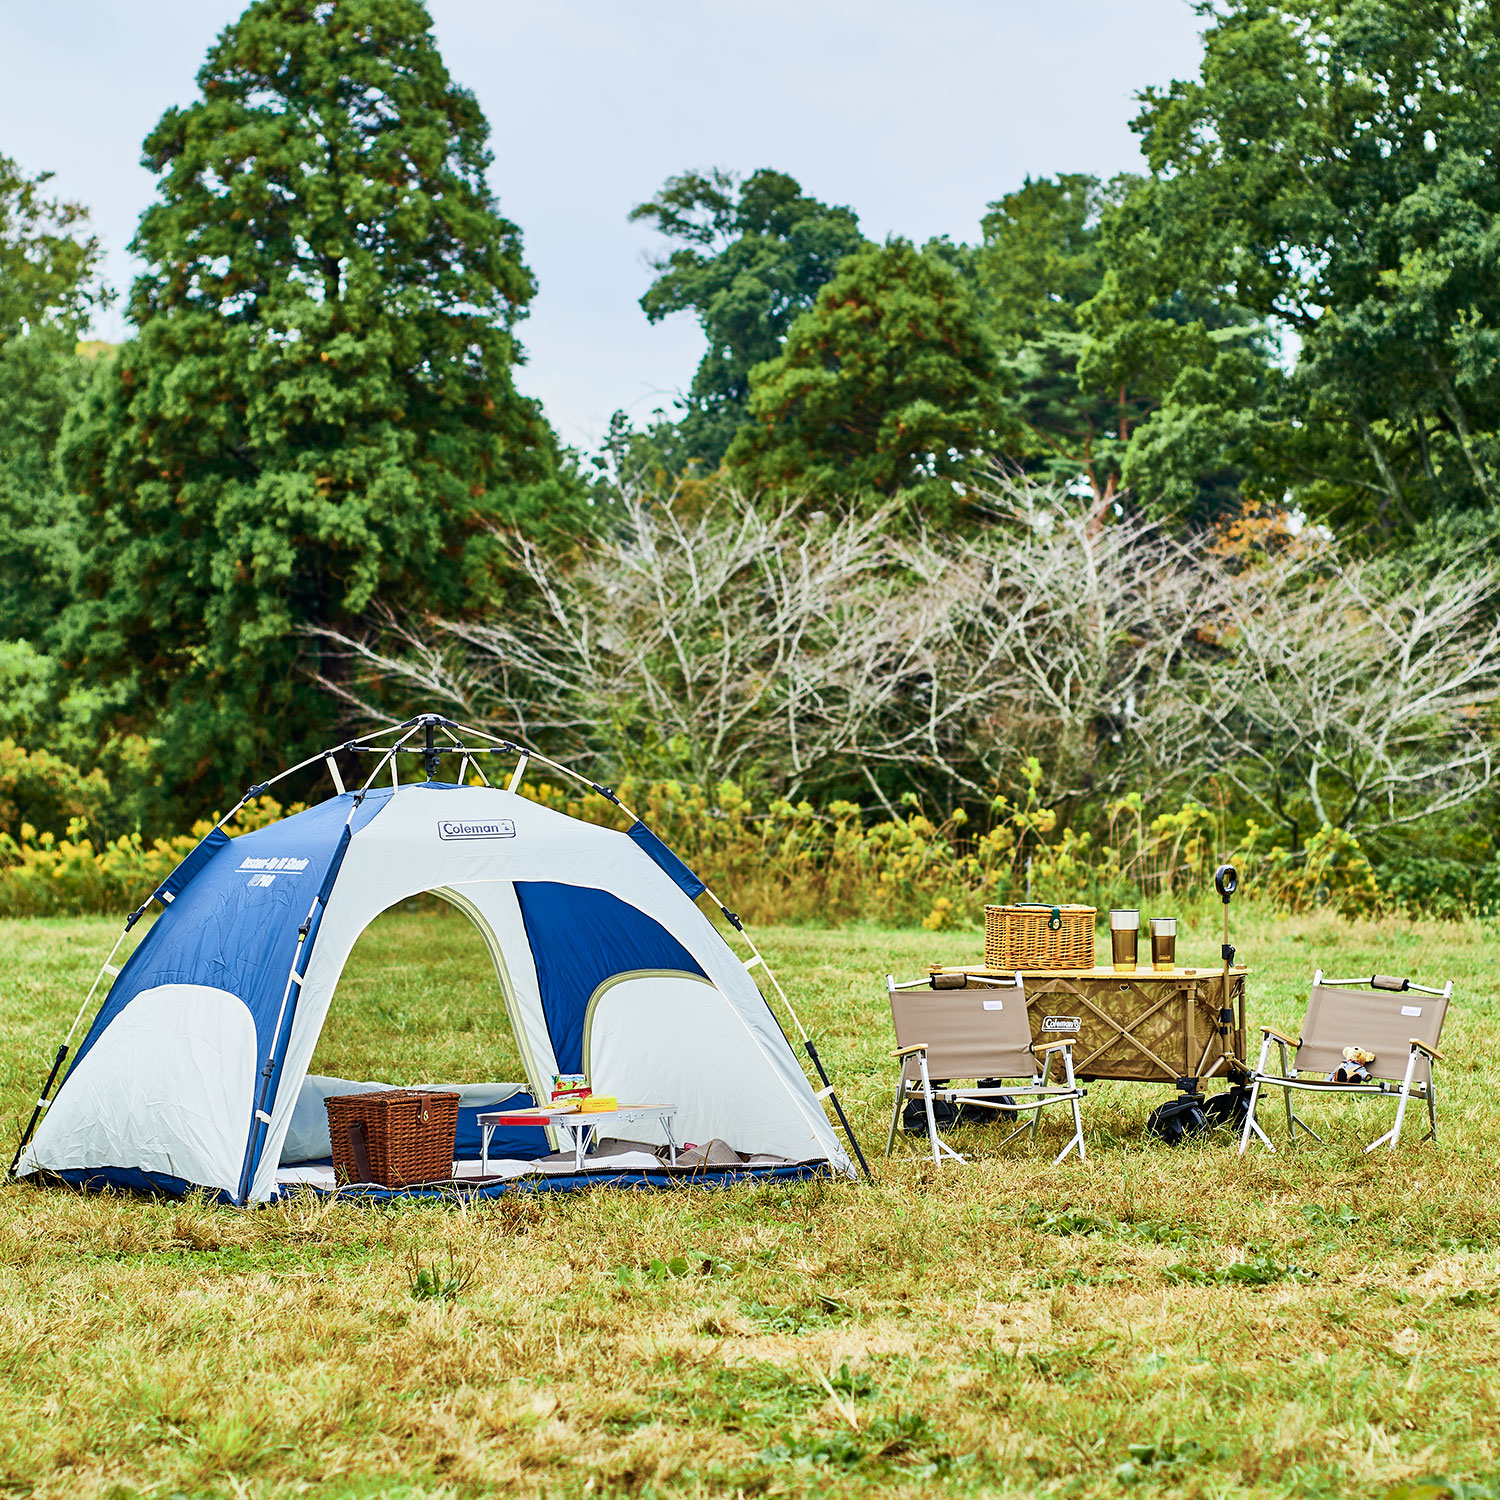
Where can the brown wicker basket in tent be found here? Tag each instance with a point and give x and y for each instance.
(393, 1137)
(1032, 935)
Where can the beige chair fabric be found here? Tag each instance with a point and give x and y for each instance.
(1380, 1021)
(1400, 1022)
(967, 1033)
(957, 1034)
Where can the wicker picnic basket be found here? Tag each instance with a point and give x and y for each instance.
(393, 1137)
(1032, 935)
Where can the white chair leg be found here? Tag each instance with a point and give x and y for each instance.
(1394, 1133)
(1075, 1140)
(1251, 1123)
(1294, 1121)
(1041, 1080)
(939, 1147)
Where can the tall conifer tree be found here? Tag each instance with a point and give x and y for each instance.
(318, 414)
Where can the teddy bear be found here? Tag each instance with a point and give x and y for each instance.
(1355, 1067)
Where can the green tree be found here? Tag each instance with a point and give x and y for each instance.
(318, 413)
(750, 258)
(49, 288)
(889, 384)
(1333, 171)
(49, 270)
(1039, 262)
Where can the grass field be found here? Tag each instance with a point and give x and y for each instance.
(1173, 1323)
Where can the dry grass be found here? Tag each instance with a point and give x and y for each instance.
(1008, 1328)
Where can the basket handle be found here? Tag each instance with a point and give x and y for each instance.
(358, 1145)
(1054, 921)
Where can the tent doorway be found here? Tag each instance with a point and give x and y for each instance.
(419, 1002)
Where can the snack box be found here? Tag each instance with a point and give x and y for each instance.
(570, 1086)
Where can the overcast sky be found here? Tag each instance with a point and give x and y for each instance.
(915, 115)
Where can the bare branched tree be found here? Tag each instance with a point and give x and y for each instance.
(759, 643)
(748, 640)
(1351, 697)
(1076, 633)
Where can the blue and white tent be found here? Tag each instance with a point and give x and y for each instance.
(190, 1073)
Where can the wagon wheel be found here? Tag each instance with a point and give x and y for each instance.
(1227, 1110)
(1177, 1119)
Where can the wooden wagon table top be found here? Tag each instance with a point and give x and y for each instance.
(1145, 971)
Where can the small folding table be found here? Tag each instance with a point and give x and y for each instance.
(581, 1130)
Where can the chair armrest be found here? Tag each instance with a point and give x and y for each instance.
(1047, 1047)
(1279, 1036)
(907, 1051)
(1431, 1052)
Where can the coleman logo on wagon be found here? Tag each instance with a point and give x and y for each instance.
(494, 828)
(1062, 1023)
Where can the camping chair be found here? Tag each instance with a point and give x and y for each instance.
(1401, 1032)
(975, 1033)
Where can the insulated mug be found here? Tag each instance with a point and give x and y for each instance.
(1164, 943)
(1124, 938)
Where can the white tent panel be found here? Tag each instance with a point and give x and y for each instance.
(168, 1087)
(675, 1038)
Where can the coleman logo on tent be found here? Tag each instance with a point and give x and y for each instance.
(496, 828)
(266, 870)
(1062, 1023)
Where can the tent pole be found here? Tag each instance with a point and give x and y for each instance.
(838, 1108)
(44, 1100)
(390, 755)
(323, 755)
(468, 760)
(807, 1041)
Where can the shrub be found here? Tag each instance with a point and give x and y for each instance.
(794, 862)
(42, 875)
(41, 789)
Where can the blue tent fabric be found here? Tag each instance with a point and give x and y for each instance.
(132, 1180)
(175, 883)
(580, 936)
(125, 1180)
(667, 860)
(234, 924)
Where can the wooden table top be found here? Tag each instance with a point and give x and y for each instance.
(1106, 971)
